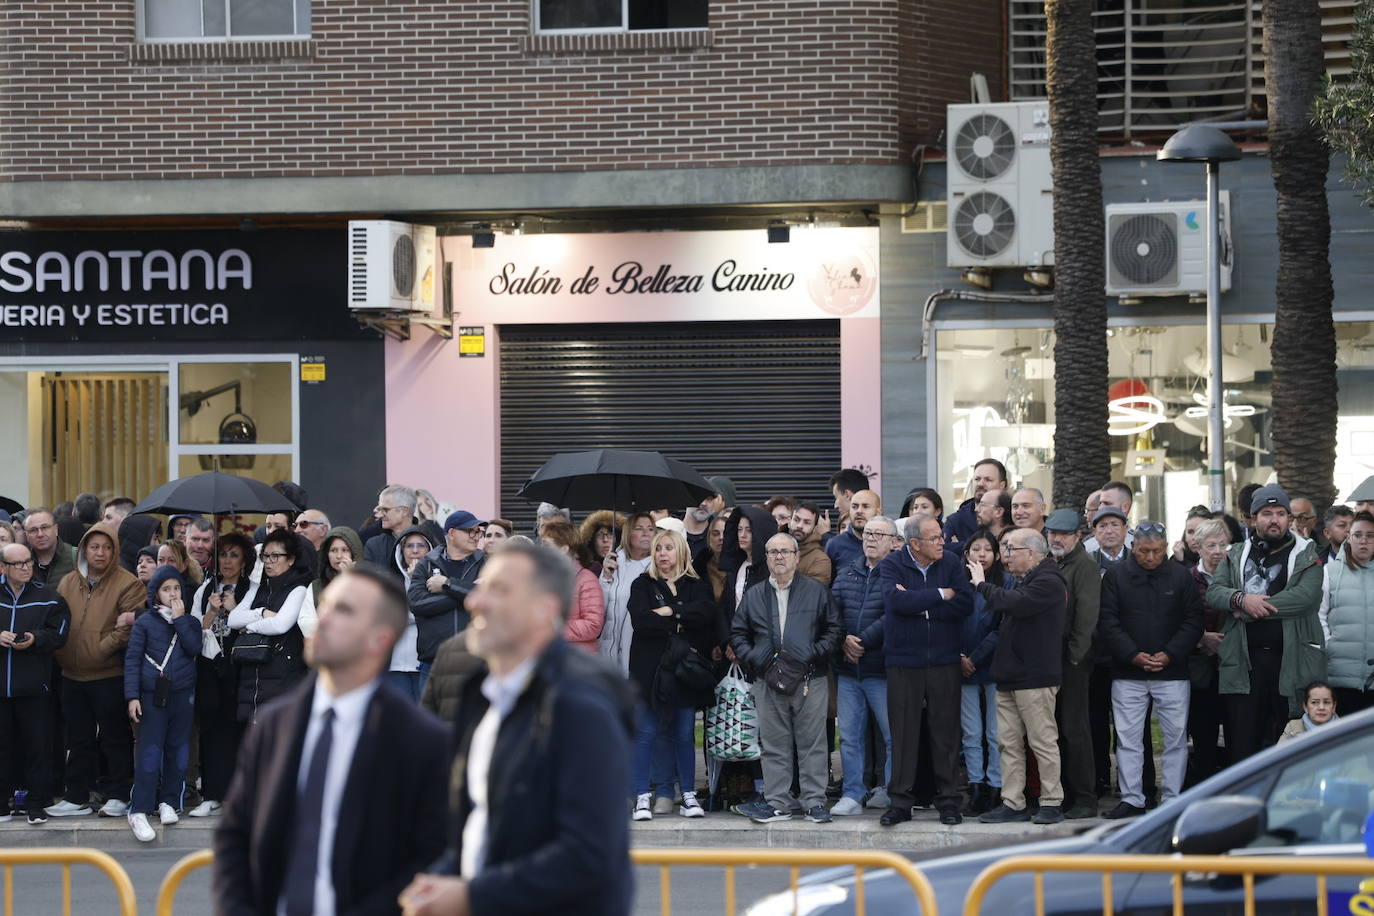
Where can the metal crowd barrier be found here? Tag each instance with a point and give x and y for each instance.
(792, 859)
(1319, 868)
(166, 894)
(9, 858)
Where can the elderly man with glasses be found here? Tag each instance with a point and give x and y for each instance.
(395, 512)
(1151, 619)
(785, 631)
(52, 559)
(926, 597)
(313, 525)
(35, 621)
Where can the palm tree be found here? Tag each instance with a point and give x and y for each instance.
(1082, 461)
(1304, 347)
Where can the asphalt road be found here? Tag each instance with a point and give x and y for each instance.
(38, 889)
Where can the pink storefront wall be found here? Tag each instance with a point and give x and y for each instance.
(443, 412)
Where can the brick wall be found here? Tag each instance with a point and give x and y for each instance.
(397, 86)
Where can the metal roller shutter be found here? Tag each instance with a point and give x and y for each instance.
(756, 401)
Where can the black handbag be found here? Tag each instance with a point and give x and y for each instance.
(690, 672)
(253, 649)
(785, 674)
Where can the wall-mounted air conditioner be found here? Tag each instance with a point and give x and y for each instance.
(1160, 249)
(391, 266)
(1001, 211)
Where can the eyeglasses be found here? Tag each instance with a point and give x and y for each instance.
(38, 529)
(1361, 535)
(302, 524)
(1013, 549)
(21, 564)
(387, 508)
(275, 556)
(934, 539)
(1306, 516)
(780, 551)
(875, 535)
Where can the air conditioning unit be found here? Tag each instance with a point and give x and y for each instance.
(1160, 249)
(1001, 211)
(390, 266)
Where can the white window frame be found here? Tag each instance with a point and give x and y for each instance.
(623, 29)
(228, 28)
(172, 366)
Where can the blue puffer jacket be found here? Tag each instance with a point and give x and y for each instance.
(920, 628)
(978, 635)
(151, 636)
(860, 601)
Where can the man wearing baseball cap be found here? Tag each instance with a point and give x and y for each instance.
(441, 582)
(1268, 589)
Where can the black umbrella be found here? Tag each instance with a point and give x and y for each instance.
(10, 506)
(620, 479)
(214, 493)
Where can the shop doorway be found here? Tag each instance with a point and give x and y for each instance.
(758, 401)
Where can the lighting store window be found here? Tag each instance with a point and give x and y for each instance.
(618, 15)
(190, 20)
(995, 397)
(235, 403)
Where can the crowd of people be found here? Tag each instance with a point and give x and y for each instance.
(993, 661)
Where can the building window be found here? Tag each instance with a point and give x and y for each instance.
(194, 20)
(618, 15)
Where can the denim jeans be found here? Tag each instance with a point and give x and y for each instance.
(979, 721)
(855, 697)
(424, 675)
(664, 744)
(408, 683)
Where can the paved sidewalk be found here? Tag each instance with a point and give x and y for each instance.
(923, 832)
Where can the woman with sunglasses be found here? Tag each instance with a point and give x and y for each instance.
(288, 565)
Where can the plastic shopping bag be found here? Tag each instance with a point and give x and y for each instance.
(732, 724)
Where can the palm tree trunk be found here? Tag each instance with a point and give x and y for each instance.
(1082, 453)
(1304, 347)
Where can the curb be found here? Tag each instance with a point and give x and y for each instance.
(107, 833)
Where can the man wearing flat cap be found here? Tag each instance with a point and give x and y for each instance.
(1268, 589)
(440, 583)
(1109, 531)
(1084, 583)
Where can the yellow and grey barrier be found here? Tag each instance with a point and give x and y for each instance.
(167, 892)
(124, 888)
(1247, 867)
(792, 859)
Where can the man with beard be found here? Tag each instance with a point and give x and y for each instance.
(994, 511)
(1268, 589)
(696, 524)
(813, 561)
(1084, 583)
(847, 547)
(989, 476)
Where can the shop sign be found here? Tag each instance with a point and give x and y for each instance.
(668, 276)
(174, 285)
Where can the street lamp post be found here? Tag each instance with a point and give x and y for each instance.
(1201, 143)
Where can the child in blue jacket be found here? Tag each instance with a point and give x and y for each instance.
(159, 685)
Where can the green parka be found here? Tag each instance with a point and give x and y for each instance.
(1304, 652)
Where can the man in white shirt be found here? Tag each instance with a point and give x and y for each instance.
(339, 797)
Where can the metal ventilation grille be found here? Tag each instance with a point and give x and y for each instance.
(927, 216)
(1161, 64)
(357, 264)
(1143, 250)
(984, 147)
(403, 265)
(984, 224)
(756, 401)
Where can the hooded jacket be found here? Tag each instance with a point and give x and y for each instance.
(813, 561)
(404, 657)
(41, 611)
(96, 643)
(327, 572)
(135, 533)
(151, 638)
(439, 615)
(762, 527)
(1298, 603)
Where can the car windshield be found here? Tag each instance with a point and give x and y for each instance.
(1322, 798)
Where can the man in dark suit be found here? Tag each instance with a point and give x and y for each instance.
(542, 766)
(338, 799)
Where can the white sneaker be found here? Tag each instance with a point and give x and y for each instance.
(879, 799)
(6, 818)
(690, 806)
(143, 831)
(846, 807)
(65, 808)
(663, 805)
(167, 814)
(205, 809)
(644, 808)
(114, 808)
